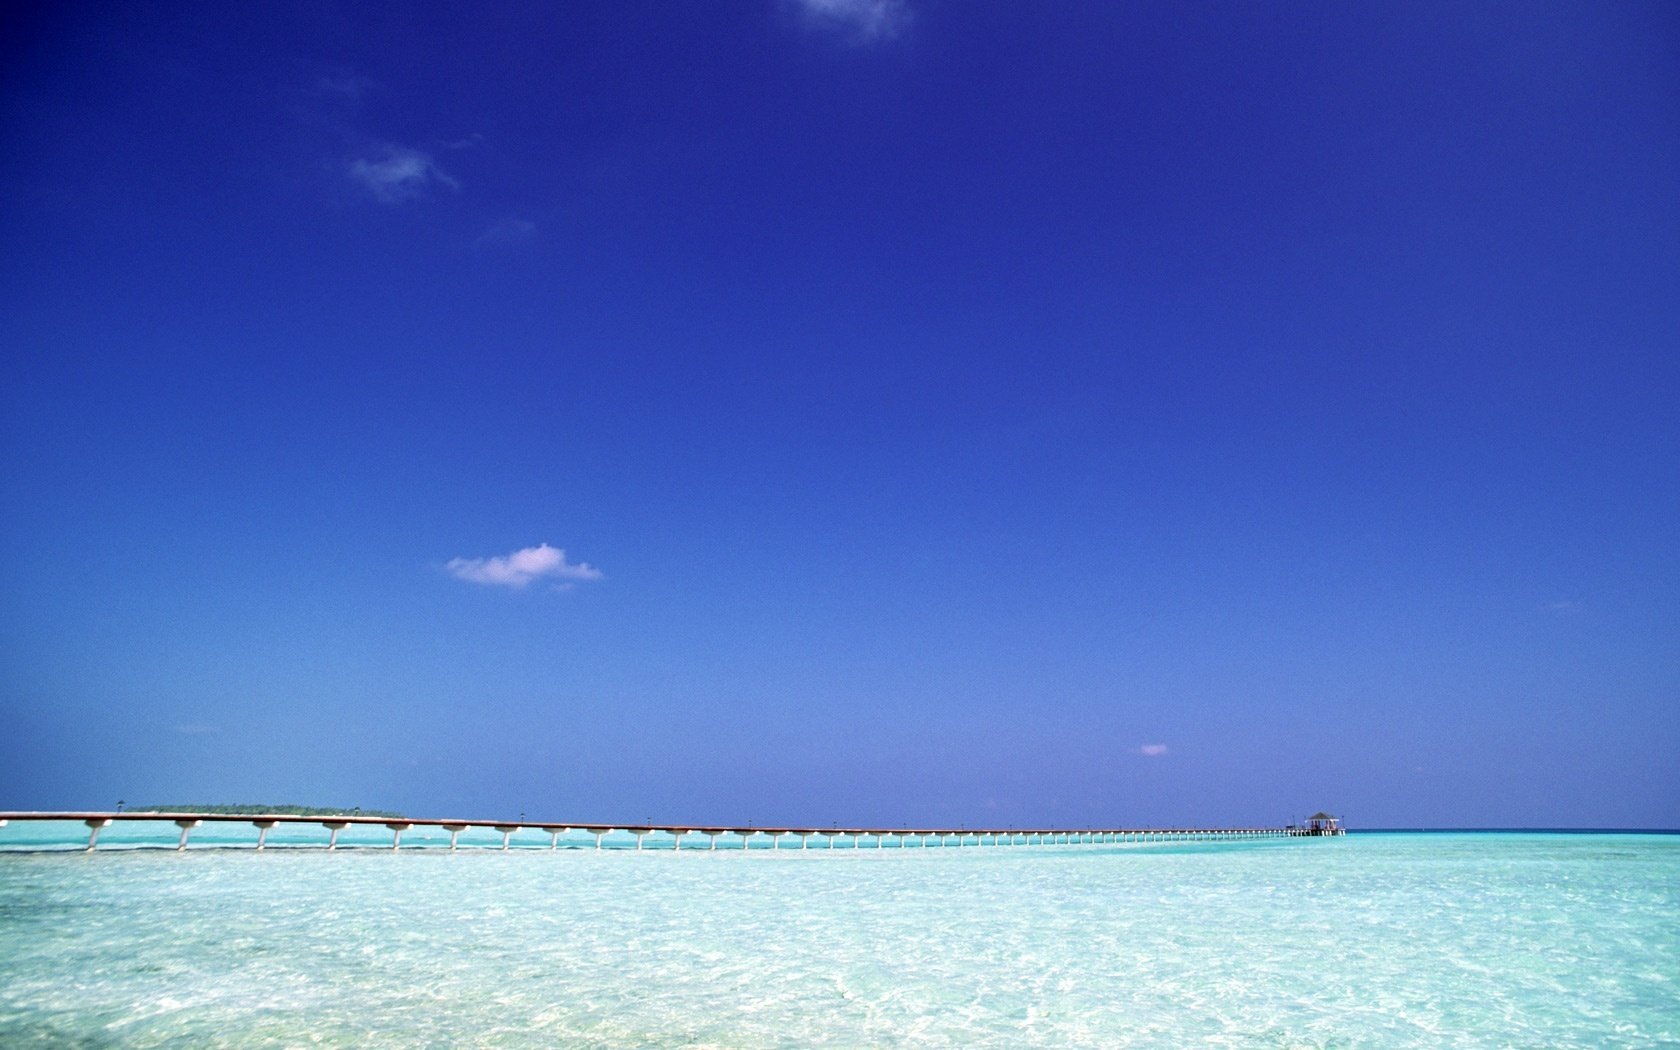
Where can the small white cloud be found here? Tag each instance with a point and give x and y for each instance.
(521, 567)
(862, 21)
(509, 231)
(1152, 750)
(399, 174)
(347, 86)
(1562, 608)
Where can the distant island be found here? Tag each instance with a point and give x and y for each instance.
(257, 810)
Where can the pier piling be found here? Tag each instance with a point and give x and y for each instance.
(93, 830)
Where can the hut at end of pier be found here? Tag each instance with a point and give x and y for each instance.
(1322, 823)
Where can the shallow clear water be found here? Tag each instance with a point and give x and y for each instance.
(1373, 940)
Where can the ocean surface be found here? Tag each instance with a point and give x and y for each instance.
(1373, 940)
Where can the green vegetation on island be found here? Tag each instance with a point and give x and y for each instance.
(258, 810)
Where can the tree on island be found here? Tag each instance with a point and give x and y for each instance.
(244, 810)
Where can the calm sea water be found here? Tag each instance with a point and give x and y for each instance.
(1474, 940)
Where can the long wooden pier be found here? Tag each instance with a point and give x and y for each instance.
(739, 838)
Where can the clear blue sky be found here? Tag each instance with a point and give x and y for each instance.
(948, 412)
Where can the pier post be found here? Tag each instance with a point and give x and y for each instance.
(186, 827)
(639, 833)
(333, 826)
(454, 833)
(676, 838)
(804, 839)
(263, 827)
(507, 831)
(600, 833)
(745, 835)
(712, 837)
(93, 830)
(553, 837)
(396, 834)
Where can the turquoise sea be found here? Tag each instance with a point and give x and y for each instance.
(1405, 940)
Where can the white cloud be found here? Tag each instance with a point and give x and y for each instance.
(1563, 607)
(521, 567)
(399, 174)
(347, 86)
(509, 231)
(1152, 750)
(861, 20)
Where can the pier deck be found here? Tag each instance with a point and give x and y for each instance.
(742, 837)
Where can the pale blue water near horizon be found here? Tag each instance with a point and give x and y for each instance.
(1395, 939)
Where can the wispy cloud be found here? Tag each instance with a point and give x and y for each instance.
(521, 567)
(397, 174)
(1563, 607)
(1152, 750)
(347, 86)
(509, 231)
(862, 21)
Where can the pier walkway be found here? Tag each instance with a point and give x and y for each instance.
(738, 838)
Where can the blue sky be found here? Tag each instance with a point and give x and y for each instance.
(860, 410)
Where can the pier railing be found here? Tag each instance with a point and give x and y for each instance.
(734, 837)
